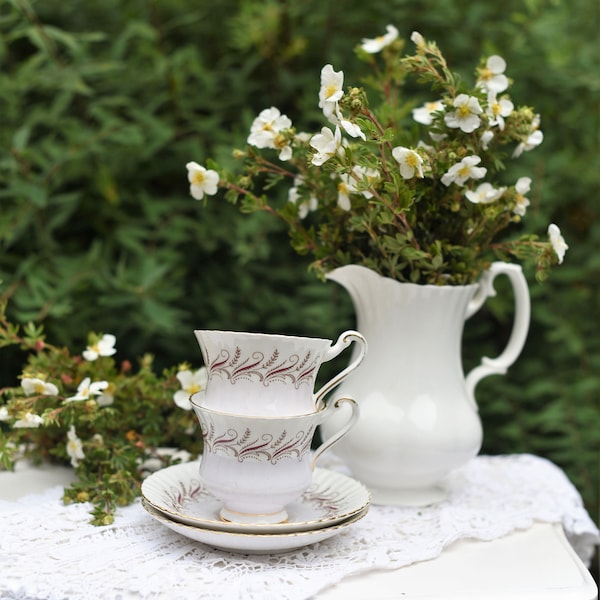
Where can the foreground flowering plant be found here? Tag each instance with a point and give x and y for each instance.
(114, 425)
(417, 193)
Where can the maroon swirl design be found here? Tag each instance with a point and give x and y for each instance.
(294, 369)
(248, 445)
(178, 495)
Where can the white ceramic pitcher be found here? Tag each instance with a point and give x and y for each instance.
(418, 416)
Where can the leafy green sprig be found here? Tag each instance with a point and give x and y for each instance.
(112, 439)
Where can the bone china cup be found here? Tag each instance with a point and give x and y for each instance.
(259, 374)
(257, 465)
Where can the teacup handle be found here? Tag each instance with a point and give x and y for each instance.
(336, 437)
(500, 364)
(342, 343)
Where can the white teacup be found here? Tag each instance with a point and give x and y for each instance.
(257, 465)
(259, 374)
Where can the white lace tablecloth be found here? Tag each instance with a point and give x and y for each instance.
(49, 551)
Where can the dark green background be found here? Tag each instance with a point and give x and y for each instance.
(102, 103)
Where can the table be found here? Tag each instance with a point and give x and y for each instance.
(533, 563)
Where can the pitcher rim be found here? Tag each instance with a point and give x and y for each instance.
(447, 286)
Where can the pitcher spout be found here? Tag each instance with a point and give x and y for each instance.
(352, 274)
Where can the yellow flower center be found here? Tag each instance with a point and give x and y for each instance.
(193, 388)
(486, 74)
(412, 160)
(464, 110)
(39, 388)
(464, 171)
(198, 179)
(330, 90)
(279, 141)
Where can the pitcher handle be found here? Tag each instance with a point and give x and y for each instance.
(500, 364)
(341, 432)
(342, 343)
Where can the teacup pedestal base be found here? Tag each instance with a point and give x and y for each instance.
(234, 516)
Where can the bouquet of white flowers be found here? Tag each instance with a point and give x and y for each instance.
(417, 193)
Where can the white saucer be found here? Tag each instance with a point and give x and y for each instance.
(252, 543)
(176, 492)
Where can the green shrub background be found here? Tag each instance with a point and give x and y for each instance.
(102, 103)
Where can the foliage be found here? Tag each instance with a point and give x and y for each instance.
(101, 103)
(413, 205)
(113, 424)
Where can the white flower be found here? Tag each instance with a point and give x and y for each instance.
(498, 109)
(486, 138)
(411, 164)
(331, 91)
(424, 114)
(87, 389)
(285, 150)
(305, 206)
(266, 129)
(417, 39)
(106, 398)
(191, 383)
(484, 194)
(4, 416)
(29, 420)
(535, 138)
(34, 385)
(491, 77)
(103, 347)
(352, 129)
(181, 456)
(150, 465)
(343, 199)
(359, 174)
(522, 187)
(74, 447)
(173, 454)
(466, 115)
(202, 180)
(334, 115)
(372, 46)
(354, 183)
(326, 144)
(465, 169)
(558, 242)
(437, 137)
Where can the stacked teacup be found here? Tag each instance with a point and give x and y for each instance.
(258, 415)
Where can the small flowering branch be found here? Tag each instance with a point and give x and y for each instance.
(427, 204)
(430, 66)
(111, 424)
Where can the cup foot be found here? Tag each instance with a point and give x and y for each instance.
(233, 516)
